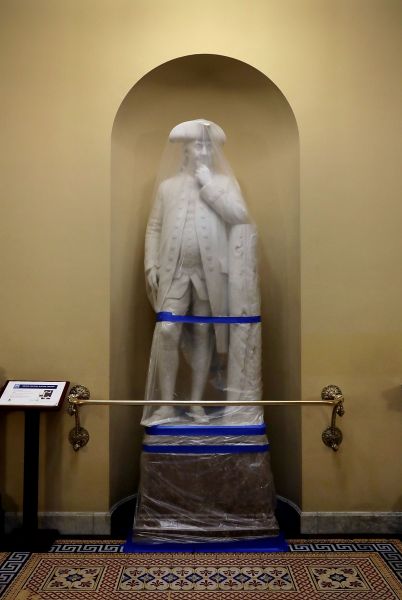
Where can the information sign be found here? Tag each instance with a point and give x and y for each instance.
(33, 394)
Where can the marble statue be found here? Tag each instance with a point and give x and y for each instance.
(198, 227)
(202, 281)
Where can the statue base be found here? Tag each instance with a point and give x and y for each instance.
(205, 496)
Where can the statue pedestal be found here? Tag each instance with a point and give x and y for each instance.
(205, 488)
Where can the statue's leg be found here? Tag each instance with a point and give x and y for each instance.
(201, 356)
(168, 353)
(168, 358)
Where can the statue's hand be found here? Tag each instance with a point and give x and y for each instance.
(203, 175)
(153, 279)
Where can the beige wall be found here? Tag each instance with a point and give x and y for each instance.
(65, 69)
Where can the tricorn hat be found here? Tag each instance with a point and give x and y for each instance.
(199, 129)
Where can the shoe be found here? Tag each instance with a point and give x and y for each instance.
(162, 414)
(198, 414)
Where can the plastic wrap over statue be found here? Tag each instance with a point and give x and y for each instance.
(205, 471)
(200, 260)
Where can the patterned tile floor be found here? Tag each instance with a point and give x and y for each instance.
(303, 573)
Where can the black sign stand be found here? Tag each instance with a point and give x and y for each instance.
(29, 537)
(31, 471)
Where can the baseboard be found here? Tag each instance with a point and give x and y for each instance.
(343, 523)
(67, 523)
(351, 522)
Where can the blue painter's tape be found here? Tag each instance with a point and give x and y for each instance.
(195, 430)
(228, 449)
(171, 318)
(270, 544)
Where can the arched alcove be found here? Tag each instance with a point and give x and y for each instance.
(263, 150)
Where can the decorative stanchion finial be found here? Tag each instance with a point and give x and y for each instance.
(332, 436)
(78, 436)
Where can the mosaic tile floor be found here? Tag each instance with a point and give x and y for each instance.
(314, 569)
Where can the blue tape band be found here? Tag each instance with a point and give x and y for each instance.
(171, 318)
(205, 449)
(206, 430)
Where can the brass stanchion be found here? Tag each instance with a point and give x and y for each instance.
(331, 395)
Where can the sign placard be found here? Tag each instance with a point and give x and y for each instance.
(33, 394)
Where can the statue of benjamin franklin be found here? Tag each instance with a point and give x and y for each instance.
(196, 209)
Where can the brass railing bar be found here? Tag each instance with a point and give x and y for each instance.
(331, 395)
(199, 402)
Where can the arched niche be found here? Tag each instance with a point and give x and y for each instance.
(263, 150)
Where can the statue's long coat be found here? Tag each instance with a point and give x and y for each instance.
(218, 206)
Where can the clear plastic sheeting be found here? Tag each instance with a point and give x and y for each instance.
(200, 264)
(219, 489)
(212, 440)
(205, 470)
